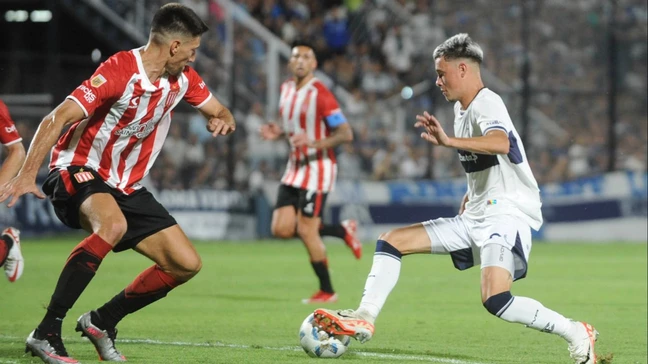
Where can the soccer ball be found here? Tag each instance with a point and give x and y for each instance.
(320, 344)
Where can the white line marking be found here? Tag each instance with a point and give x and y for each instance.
(369, 354)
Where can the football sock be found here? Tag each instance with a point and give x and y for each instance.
(5, 245)
(322, 272)
(533, 314)
(382, 278)
(336, 230)
(78, 271)
(150, 286)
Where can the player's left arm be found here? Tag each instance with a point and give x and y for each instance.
(13, 162)
(220, 120)
(494, 141)
(341, 131)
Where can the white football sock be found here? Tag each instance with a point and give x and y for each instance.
(533, 314)
(381, 280)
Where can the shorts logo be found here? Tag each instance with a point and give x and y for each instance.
(10, 129)
(97, 80)
(83, 176)
(308, 208)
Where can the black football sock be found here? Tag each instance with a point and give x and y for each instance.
(336, 230)
(321, 269)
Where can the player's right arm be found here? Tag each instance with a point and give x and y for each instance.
(46, 136)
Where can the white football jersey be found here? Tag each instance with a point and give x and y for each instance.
(497, 184)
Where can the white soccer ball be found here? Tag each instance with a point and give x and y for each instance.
(320, 344)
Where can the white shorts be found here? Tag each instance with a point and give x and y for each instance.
(464, 239)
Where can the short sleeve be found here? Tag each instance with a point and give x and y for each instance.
(197, 93)
(8, 134)
(329, 109)
(492, 116)
(102, 86)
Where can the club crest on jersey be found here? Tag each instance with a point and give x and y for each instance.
(97, 80)
(171, 97)
(83, 176)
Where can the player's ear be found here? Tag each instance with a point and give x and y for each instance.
(463, 69)
(174, 47)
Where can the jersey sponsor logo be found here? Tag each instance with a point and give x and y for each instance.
(10, 129)
(97, 80)
(83, 176)
(134, 103)
(140, 131)
(88, 95)
(475, 162)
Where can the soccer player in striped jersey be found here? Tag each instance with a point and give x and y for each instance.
(314, 125)
(11, 258)
(493, 227)
(119, 119)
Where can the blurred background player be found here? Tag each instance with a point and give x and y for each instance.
(494, 224)
(11, 258)
(314, 125)
(120, 118)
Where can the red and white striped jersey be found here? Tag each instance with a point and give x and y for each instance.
(8, 132)
(312, 110)
(127, 119)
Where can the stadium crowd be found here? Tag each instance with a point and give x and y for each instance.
(373, 49)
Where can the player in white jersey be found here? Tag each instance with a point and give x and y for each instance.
(493, 227)
(118, 120)
(314, 125)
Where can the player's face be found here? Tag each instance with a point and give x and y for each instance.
(183, 52)
(302, 61)
(448, 78)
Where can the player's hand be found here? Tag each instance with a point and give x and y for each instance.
(18, 186)
(300, 140)
(218, 126)
(270, 131)
(433, 131)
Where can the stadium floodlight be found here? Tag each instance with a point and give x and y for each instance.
(40, 16)
(17, 16)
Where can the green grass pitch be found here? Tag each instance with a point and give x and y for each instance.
(245, 306)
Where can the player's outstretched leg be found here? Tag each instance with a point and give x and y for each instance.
(10, 254)
(380, 282)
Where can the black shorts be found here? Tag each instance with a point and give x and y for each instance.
(68, 188)
(310, 203)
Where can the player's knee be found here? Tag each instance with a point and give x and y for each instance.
(497, 304)
(304, 231)
(188, 268)
(113, 229)
(391, 239)
(283, 231)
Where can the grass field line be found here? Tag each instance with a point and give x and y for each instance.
(369, 354)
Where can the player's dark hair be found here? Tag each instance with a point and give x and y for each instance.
(303, 43)
(459, 46)
(174, 18)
